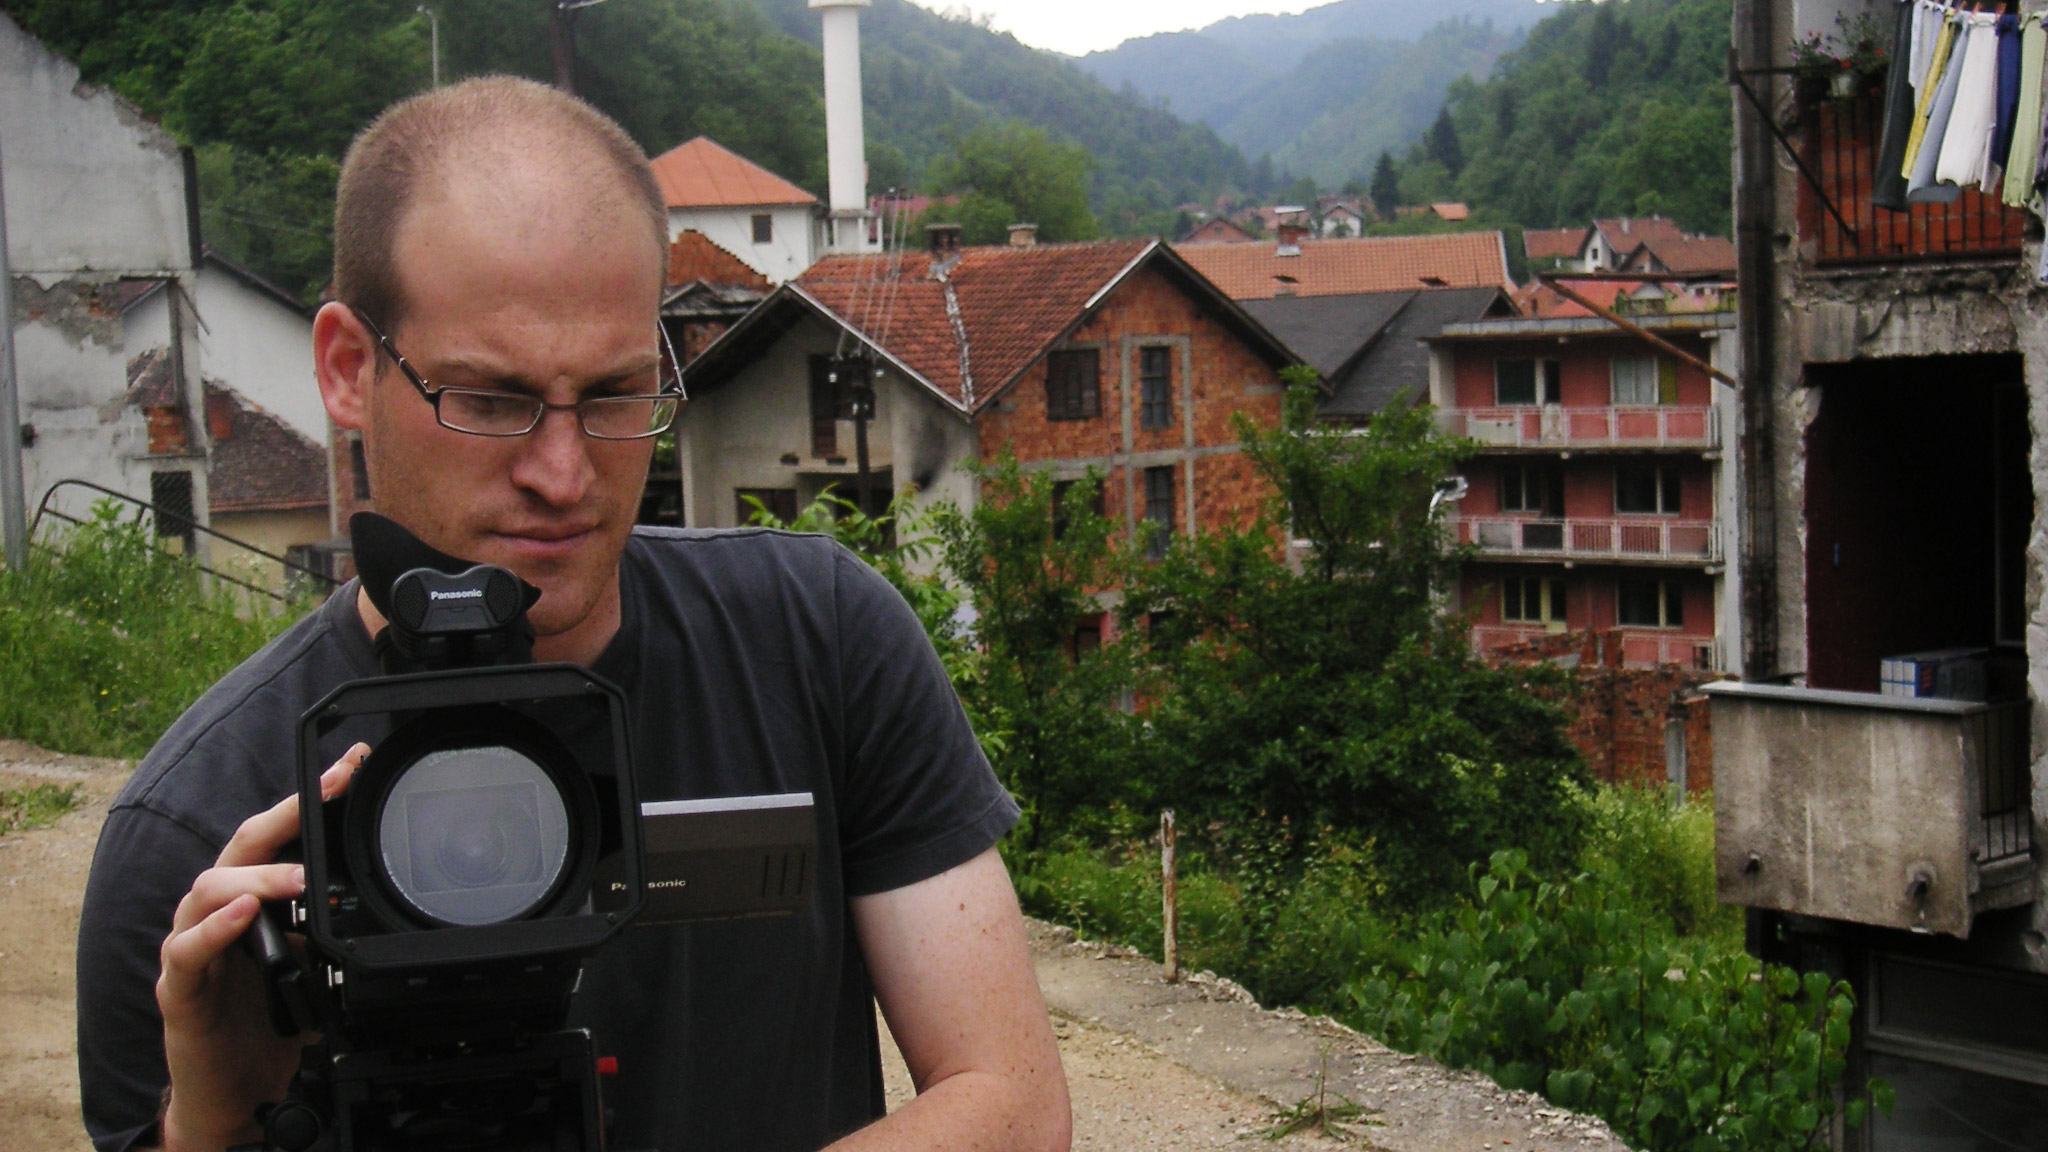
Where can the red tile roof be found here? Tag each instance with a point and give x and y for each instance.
(1687, 255)
(706, 174)
(1012, 303)
(1623, 233)
(1451, 210)
(1220, 230)
(1552, 243)
(694, 256)
(1340, 267)
(262, 464)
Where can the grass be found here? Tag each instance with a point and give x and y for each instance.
(105, 638)
(35, 806)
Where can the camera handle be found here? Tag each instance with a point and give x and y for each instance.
(285, 978)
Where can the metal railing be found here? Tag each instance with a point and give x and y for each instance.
(1639, 649)
(1645, 538)
(1841, 143)
(1613, 426)
(180, 523)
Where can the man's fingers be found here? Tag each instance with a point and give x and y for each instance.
(258, 839)
(216, 888)
(188, 954)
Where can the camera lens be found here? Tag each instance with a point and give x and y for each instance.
(474, 835)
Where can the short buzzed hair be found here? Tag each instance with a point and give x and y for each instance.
(410, 143)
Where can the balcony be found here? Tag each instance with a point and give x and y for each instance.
(1841, 139)
(1639, 648)
(1627, 539)
(1554, 427)
(1884, 810)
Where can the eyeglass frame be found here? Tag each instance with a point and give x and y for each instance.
(433, 395)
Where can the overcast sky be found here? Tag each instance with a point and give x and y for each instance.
(1081, 26)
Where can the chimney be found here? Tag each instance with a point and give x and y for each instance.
(942, 240)
(1291, 234)
(845, 144)
(1022, 235)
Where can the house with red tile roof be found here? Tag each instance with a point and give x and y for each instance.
(1261, 271)
(1116, 358)
(1552, 247)
(1219, 230)
(763, 220)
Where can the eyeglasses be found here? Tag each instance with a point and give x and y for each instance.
(646, 406)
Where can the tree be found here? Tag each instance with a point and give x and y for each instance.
(1441, 142)
(1012, 173)
(1386, 186)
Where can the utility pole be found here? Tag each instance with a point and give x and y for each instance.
(434, 38)
(562, 39)
(13, 506)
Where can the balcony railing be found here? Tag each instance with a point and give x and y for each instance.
(1886, 810)
(1554, 426)
(1639, 649)
(1841, 149)
(1647, 539)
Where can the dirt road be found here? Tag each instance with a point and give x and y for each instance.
(1150, 1065)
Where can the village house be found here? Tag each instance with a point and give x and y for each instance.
(767, 223)
(1878, 768)
(1113, 358)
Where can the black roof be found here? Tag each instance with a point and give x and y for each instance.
(1368, 346)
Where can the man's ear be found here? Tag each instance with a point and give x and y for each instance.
(345, 363)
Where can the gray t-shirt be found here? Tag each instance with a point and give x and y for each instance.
(755, 662)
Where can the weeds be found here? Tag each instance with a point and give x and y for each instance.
(1339, 1119)
(35, 806)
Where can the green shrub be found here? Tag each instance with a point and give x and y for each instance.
(105, 638)
(1662, 856)
(35, 806)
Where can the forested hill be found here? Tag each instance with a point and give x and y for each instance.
(1321, 92)
(1617, 108)
(270, 91)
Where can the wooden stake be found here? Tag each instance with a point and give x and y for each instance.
(1170, 896)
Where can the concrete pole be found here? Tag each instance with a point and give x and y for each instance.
(845, 140)
(1169, 896)
(13, 505)
(434, 40)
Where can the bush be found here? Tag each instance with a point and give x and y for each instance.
(105, 638)
(1661, 856)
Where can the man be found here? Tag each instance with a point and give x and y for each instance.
(504, 239)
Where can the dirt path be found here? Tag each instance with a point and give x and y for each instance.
(1150, 1065)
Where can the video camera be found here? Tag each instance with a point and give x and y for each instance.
(489, 843)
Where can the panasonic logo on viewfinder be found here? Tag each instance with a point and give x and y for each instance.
(465, 594)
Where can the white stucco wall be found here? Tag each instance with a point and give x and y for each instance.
(1829, 19)
(248, 340)
(793, 249)
(94, 192)
(736, 436)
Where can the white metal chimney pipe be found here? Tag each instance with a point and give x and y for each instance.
(845, 142)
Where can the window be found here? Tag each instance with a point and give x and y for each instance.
(1535, 488)
(831, 402)
(1650, 604)
(1159, 509)
(171, 492)
(1646, 488)
(764, 228)
(779, 502)
(1532, 600)
(1527, 382)
(1073, 384)
(1061, 516)
(1087, 638)
(1155, 376)
(1644, 380)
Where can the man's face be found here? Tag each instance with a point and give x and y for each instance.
(522, 286)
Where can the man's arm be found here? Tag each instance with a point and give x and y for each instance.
(953, 973)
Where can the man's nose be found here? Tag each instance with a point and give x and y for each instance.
(556, 465)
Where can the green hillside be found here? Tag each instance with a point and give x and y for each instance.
(1617, 108)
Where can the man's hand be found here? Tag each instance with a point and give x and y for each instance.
(224, 1057)
(953, 973)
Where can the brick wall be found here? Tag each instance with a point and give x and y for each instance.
(1618, 716)
(1215, 374)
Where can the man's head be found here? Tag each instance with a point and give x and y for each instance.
(503, 236)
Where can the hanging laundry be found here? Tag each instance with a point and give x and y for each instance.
(1921, 187)
(1926, 20)
(1930, 88)
(1967, 138)
(2006, 112)
(1888, 187)
(2026, 140)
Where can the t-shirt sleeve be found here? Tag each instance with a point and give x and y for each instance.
(144, 865)
(919, 796)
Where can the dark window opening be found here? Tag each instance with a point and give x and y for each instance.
(171, 492)
(1646, 488)
(1087, 638)
(764, 228)
(778, 502)
(1061, 515)
(1919, 502)
(1527, 382)
(831, 402)
(1155, 377)
(1073, 384)
(1650, 604)
(1158, 509)
(1537, 488)
(1532, 600)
